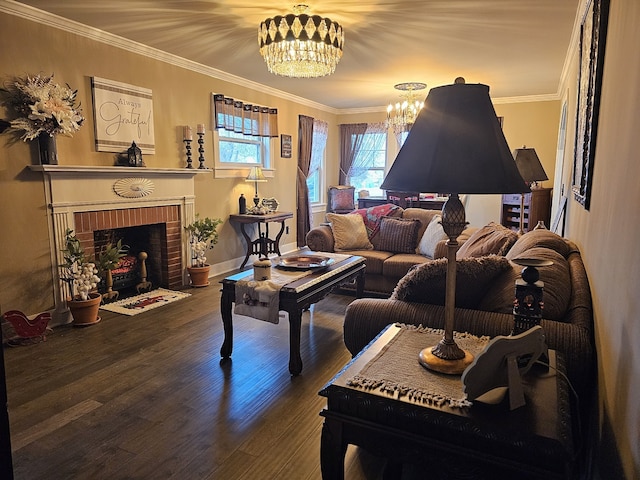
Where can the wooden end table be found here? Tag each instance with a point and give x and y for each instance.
(263, 245)
(480, 441)
(295, 297)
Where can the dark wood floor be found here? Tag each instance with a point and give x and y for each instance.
(146, 397)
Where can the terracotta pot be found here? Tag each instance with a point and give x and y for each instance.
(199, 276)
(85, 312)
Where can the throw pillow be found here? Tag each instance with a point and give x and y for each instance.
(398, 235)
(373, 215)
(432, 235)
(349, 232)
(539, 238)
(426, 283)
(492, 239)
(342, 199)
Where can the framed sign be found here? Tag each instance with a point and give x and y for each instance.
(285, 146)
(593, 34)
(122, 114)
(270, 203)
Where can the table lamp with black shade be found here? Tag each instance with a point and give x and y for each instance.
(531, 171)
(455, 146)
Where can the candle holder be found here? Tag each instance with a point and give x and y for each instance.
(201, 150)
(188, 145)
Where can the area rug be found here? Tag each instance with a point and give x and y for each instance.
(146, 301)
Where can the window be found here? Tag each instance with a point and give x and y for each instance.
(242, 136)
(368, 168)
(237, 148)
(315, 180)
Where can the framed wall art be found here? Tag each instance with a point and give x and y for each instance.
(593, 34)
(285, 146)
(122, 114)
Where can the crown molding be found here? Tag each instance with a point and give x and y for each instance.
(27, 12)
(33, 14)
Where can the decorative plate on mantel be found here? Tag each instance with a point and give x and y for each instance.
(133, 187)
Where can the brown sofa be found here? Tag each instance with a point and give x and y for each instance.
(484, 301)
(384, 267)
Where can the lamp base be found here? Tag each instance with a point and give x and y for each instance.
(451, 367)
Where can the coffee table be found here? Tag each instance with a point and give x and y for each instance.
(295, 297)
(479, 441)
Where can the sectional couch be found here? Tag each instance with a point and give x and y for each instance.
(390, 238)
(485, 291)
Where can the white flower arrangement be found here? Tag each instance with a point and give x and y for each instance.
(85, 280)
(43, 107)
(200, 253)
(204, 235)
(78, 271)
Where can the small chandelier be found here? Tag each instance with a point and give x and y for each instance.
(301, 45)
(402, 116)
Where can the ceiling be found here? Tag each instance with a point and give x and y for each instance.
(517, 47)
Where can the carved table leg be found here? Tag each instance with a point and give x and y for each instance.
(249, 245)
(277, 240)
(225, 310)
(360, 284)
(332, 450)
(295, 360)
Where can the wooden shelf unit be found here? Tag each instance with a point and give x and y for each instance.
(537, 207)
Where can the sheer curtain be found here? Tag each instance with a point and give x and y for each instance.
(320, 133)
(351, 137)
(364, 155)
(305, 147)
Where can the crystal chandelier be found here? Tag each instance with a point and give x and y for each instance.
(300, 45)
(402, 115)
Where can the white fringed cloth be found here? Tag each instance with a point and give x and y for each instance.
(261, 299)
(396, 371)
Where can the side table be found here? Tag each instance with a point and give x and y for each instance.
(262, 245)
(479, 441)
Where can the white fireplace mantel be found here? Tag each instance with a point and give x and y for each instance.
(72, 189)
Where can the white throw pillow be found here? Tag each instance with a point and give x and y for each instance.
(432, 235)
(349, 232)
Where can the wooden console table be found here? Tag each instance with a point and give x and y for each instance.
(262, 245)
(479, 441)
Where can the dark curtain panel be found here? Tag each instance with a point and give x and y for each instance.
(351, 137)
(305, 140)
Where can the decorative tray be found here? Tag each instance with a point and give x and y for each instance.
(304, 261)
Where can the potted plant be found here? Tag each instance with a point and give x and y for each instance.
(108, 260)
(81, 274)
(204, 235)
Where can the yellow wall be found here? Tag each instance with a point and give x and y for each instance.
(534, 124)
(180, 97)
(608, 236)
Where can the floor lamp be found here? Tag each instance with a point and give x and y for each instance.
(531, 171)
(455, 146)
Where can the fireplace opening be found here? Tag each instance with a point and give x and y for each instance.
(154, 230)
(150, 239)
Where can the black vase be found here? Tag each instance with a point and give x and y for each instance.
(47, 149)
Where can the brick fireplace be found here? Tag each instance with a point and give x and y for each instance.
(165, 245)
(95, 199)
